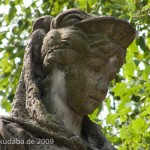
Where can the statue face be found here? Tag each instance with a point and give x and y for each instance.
(89, 70)
(87, 84)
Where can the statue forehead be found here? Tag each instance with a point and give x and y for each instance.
(68, 31)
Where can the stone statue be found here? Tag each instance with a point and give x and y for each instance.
(68, 65)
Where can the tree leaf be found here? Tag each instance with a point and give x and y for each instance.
(123, 132)
(129, 68)
(112, 118)
(138, 123)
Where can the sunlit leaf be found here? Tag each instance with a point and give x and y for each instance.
(111, 119)
(138, 123)
(123, 132)
(129, 68)
(5, 104)
(125, 17)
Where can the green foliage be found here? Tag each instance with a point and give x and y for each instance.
(128, 102)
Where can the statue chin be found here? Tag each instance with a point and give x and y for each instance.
(86, 110)
(86, 106)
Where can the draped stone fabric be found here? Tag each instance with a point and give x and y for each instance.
(22, 133)
(30, 119)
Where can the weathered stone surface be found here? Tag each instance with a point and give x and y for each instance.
(68, 65)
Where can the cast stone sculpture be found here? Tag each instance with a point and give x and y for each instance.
(68, 65)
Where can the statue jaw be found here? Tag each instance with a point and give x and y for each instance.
(82, 94)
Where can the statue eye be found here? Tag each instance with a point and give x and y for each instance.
(107, 51)
(95, 69)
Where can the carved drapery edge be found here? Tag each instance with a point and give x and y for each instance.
(36, 130)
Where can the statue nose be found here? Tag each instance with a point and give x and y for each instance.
(102, 85)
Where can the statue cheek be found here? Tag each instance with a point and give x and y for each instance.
(69, 56)
(76, 90)
(76, 85)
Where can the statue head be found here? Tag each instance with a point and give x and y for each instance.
(88, 49)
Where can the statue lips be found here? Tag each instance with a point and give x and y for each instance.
(97, 100)
(99, 97)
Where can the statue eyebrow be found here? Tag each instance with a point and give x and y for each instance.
(79, 31)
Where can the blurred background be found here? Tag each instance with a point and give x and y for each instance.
(124, 116)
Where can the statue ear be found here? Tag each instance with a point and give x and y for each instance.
(42, 23)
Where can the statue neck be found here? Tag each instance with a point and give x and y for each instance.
(59, 106)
